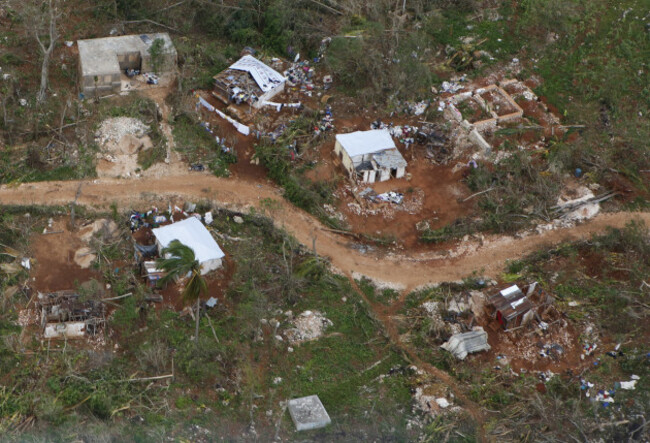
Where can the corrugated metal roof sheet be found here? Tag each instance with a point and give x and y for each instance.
(467, 342)
(266, 78)
(511, 302)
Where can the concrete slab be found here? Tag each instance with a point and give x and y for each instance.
(308, 413)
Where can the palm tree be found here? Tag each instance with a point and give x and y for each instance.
(178, 260)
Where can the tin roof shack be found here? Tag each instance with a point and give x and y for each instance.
(103, 60)
(512, 307)
(370, 155)
(64, 316)
(192, 233)
(248, 80)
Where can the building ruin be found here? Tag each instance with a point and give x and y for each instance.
(103, 61)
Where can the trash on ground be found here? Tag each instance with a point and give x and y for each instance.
(392, 197)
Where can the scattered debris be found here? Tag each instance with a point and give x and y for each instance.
(450, 87)
(393, 197)
(588, 350)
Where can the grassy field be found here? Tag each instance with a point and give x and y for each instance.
(225, 382)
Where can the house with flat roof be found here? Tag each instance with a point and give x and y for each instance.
(102, 61)
(370, 156)
(248, 80)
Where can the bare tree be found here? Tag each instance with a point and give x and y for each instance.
(41, 18)
(51, 16)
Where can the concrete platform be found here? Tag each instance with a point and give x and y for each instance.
(308, 413)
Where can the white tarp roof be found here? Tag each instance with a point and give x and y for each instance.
(265, 77)
(192, 233)
(366, 142)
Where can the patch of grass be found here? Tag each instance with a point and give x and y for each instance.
(198, 146)
(298, 189)
(26, 165)
(149, 157)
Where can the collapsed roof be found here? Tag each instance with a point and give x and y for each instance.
(266, 78)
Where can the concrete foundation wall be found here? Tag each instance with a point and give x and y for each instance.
(479, 141)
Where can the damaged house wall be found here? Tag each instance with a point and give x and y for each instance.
(64, 316)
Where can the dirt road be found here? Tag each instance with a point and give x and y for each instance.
(402, 270)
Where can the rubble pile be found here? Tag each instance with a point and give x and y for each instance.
(430, 398)
(113, 129)
(309, 325)
(385, 204)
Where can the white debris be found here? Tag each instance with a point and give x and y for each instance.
(113, 129)
(529, 95)
(452, 87)
(580, 200)
(308, 326)
(442, 402)
(629, 385)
